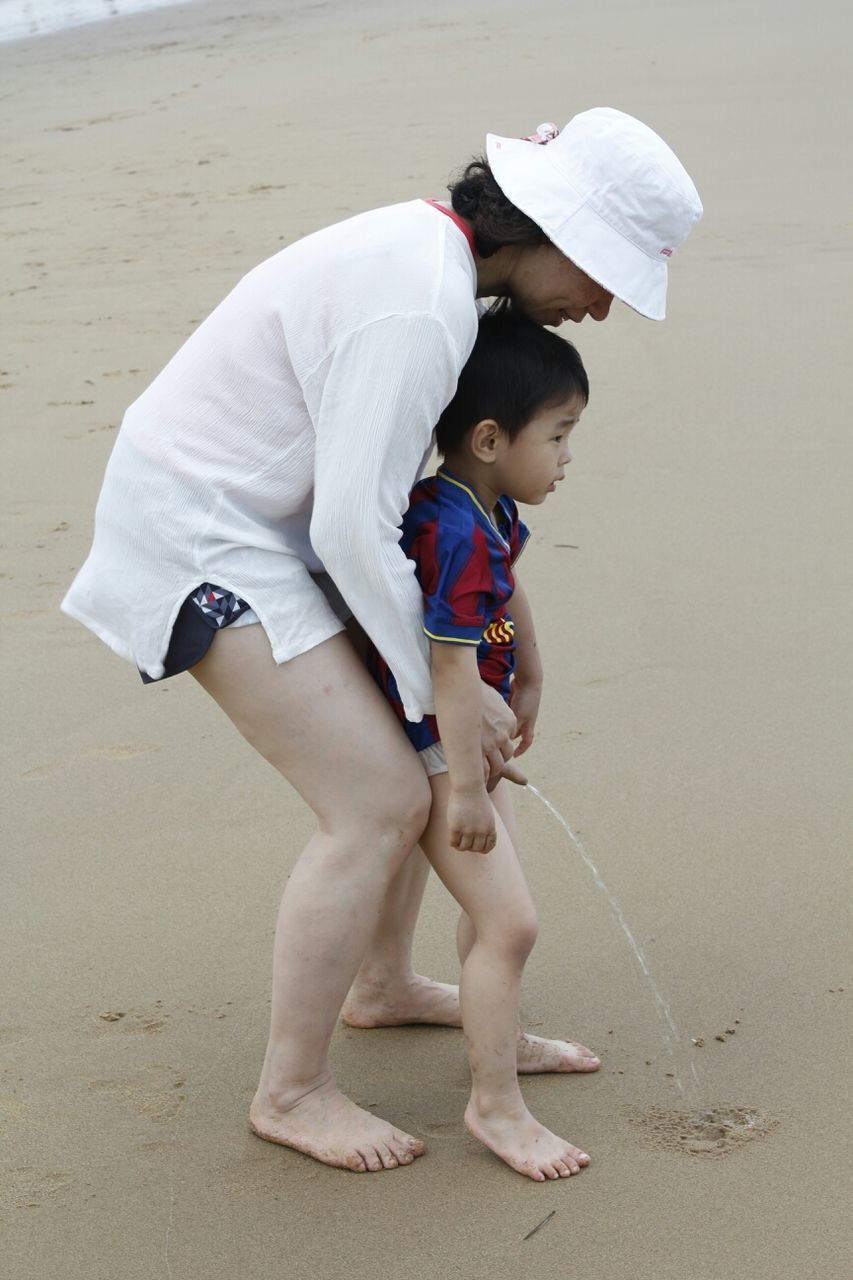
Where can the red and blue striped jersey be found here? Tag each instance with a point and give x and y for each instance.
(463, 563)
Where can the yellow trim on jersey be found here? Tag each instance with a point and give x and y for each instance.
(476, 501)
(450, 639)
(465, 489)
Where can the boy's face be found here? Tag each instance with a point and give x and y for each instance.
(531, 466)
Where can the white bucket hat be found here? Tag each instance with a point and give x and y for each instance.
(609, 193)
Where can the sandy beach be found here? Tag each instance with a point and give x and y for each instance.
(693, 597)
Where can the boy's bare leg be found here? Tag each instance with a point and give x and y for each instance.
(387, 992)
(491, 889)
(535, 1054)
(323, 724)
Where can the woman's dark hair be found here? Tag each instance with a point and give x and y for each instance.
(516, 369)
(495, 221)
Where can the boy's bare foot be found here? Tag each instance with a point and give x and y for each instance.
(415, 1000)
(536, 1054)
(326, 1125)
(525, 1144)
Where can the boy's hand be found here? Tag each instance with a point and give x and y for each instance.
(471, 821)
(497, 730)
(524, 703)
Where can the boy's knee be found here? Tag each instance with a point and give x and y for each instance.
(521, 934)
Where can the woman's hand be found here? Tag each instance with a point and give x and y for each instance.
(497, 728)
(471, 820)
(524, 703)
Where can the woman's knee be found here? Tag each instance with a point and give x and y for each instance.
(399, 808)
(386, 814)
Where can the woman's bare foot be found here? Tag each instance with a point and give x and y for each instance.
(326, 1125)
(536, 1054)
(416, 999)
(525, 1144)
(437, 1004)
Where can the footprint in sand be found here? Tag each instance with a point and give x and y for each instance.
(440, 1128)
(90, 431)
(117, 751)
(42, 771)
(154, 1092)
(29, 1188)
(123, 751)
(12, 1035)
(132, 1021)
(714, 1131)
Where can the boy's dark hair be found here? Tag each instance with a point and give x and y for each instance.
(515, 369)
(495, 221)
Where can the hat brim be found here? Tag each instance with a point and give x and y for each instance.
(529, 176)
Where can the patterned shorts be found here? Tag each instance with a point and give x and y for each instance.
(204, 612)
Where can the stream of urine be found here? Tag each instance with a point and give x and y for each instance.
(672, 1037)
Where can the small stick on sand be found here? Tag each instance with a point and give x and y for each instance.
(533, 1230)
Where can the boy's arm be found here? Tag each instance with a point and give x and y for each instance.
(458, 706)
(527, 685)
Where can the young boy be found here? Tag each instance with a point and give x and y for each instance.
(504, 439)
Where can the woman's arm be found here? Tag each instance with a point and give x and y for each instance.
(457, 688)
(527, 685)
(379, 396)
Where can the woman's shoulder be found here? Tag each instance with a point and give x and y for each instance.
(391, 271)
(404, 258)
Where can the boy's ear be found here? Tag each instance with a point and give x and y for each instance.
(485, 438)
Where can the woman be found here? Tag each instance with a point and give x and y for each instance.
(253, 499)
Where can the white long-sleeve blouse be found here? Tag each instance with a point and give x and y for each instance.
(282, 441)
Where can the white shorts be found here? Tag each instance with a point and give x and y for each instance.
(432, 759)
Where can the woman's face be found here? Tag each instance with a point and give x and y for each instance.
(549, 287)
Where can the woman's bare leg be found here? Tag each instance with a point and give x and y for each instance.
(387, 992)
(491, 890)
(323, 724)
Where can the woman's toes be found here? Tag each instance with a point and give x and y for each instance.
(389, 1159)
(372, 1160)
(355, 1162)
